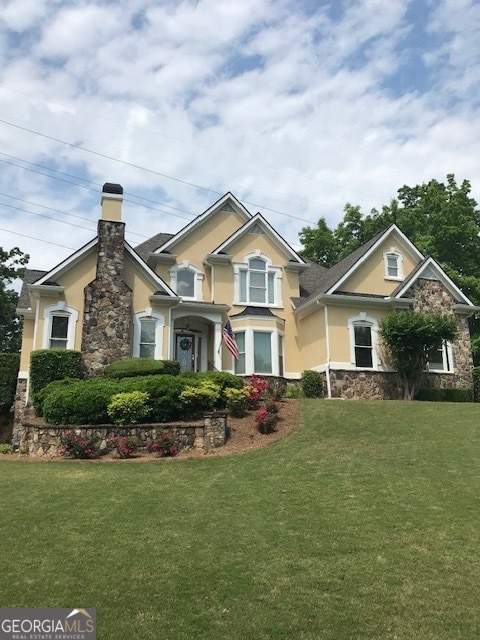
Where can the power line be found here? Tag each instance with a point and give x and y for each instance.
(23, 235)
(152, 171)
(99, 186)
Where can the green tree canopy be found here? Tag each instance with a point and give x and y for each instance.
(409, 338)
(11, 268)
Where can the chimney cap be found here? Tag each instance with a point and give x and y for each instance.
(110, 187)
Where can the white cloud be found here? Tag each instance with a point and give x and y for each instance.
(294, 112)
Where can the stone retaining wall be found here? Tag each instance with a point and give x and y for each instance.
(44, 439)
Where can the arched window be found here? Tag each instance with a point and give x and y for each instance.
(257, 282)
(148, 335)
(59, 322)
(363, 332)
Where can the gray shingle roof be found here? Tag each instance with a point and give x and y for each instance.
(153, 243)
(30, 276)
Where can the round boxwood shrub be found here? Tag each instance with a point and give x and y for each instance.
(312, 384)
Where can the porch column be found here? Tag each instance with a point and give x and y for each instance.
(217, 346)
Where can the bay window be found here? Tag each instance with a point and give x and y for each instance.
(261, 352)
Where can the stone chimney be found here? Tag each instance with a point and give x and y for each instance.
(112, 198)
(107, 315)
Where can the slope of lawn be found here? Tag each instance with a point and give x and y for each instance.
(365, 523)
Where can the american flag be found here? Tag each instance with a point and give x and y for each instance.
(229, 340)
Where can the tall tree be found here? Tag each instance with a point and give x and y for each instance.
(319, 244)
(11, 268)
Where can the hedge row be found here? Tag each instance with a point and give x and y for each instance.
(445, 395)
(131, 367)
(86, 402)
(47, 365)
(476, 384)
(9, 363)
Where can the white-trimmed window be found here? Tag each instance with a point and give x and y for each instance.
(261, 352)
(363, 331)
(240, 367)
(440, 361)
(187, 281)
(59, 322)
(257, 282)
(393, 261)
(148, 335)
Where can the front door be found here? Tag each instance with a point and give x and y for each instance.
(185, 351)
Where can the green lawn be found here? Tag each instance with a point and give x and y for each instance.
(365, 523)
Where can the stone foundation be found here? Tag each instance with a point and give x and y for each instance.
(44, 440)
(364, 385)
(375, 385)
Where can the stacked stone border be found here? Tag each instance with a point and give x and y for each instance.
(44, 440)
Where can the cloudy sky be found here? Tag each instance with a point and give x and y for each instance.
(296, 106)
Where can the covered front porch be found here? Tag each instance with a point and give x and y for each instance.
(196, 339)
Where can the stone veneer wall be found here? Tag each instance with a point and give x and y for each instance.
(20, 404)
(431, 295)
(364, 385)
(107, 317)
(44, 440)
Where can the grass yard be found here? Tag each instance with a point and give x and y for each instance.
(363, 524)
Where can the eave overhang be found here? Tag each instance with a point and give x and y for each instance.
(336, 299)
(212, 259)
(295, 267)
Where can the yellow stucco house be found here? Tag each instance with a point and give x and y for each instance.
(170, 297)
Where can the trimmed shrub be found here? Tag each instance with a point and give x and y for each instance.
(130, 367)
(293, 391)
(445, 395)
(129, 407)
(476, 384)
(430, 395)
(40, 397)
(222, 379)
(47, 365)
(237, 401)
(200, 398)
(9, 363)
(80, 402)
(164, 395)
(312, 384)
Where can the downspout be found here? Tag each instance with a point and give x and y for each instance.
(327, 340)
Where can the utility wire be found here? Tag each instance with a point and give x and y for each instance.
(152, 171)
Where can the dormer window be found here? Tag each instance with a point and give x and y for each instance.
(393, 261)
(187, 281)
(257, 282)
